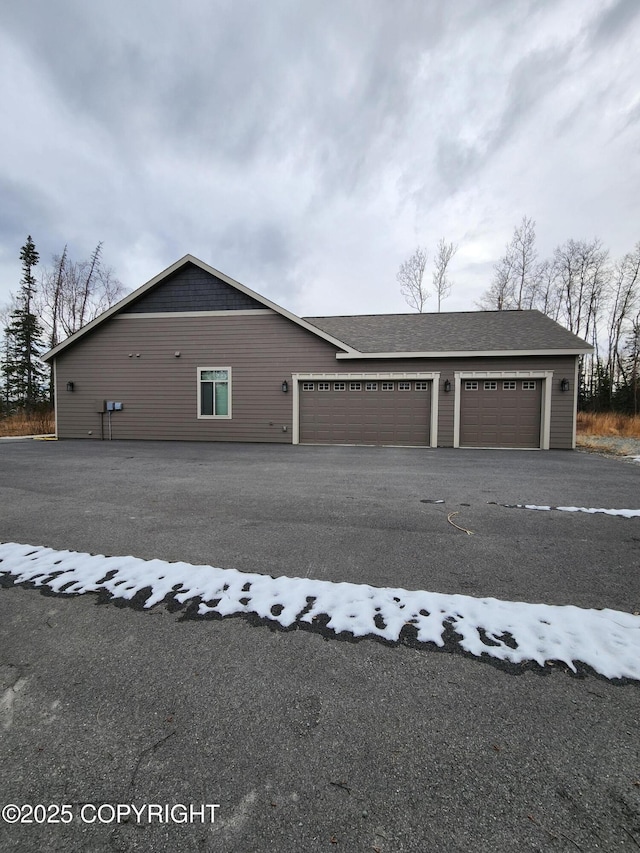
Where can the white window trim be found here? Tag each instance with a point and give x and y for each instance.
(546, 376)
(202, 417)
(364, 377)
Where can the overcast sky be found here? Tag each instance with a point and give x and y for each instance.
(306, 147)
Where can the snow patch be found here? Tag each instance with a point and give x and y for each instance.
(606, 640)
(625, 513)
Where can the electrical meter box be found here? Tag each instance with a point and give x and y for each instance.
(112, 406)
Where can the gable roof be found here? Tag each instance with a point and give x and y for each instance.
(361, 336)
(143, 297)
(451, 334)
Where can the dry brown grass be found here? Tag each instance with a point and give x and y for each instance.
(36, 423)
(608, 424)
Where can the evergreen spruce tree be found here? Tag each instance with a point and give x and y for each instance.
(24, 374)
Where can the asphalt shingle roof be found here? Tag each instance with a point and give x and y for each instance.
(470, 331)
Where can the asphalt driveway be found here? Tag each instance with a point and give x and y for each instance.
(308, 743)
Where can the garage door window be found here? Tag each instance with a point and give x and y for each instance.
(529, 385)
(355, 386)
(371, 386)
(404, 386)
(422, 386)
(491, 386)
(471, 386)
(307, 386)
(324, 386)
(509, 385)
(387, 386)
(214, 392)
(339, 386)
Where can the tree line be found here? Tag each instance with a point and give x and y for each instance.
(67, 295)
(579, 286)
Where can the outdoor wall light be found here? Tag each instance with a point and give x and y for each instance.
(447, 386)
(177, 353)
(285, 386)
(564, 385)
(70, 386)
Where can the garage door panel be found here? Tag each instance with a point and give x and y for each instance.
(500, 417)
(365, 417)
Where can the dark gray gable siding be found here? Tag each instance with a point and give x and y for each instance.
(192, 289)
(470, 331)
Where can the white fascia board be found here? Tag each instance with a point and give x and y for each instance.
(463, 353)
(227, 279)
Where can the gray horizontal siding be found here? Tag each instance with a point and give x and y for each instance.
(159, 391)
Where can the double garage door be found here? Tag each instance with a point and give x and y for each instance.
(365, 412)
(500, 412)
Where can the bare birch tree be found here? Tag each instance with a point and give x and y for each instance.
(73, 293)
(624, 305)
(583, 275)
(544, 294)
(410, 276)
(499, 294)
(441, 282)
(515, 274)
(524, 264)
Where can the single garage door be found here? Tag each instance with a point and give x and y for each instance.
(500, 412)
(365, 412)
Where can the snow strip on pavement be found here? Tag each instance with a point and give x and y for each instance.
(606, 640)
(623, 513)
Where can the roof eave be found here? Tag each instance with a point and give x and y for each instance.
(465, 353)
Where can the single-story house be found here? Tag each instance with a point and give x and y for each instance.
(194, 355)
